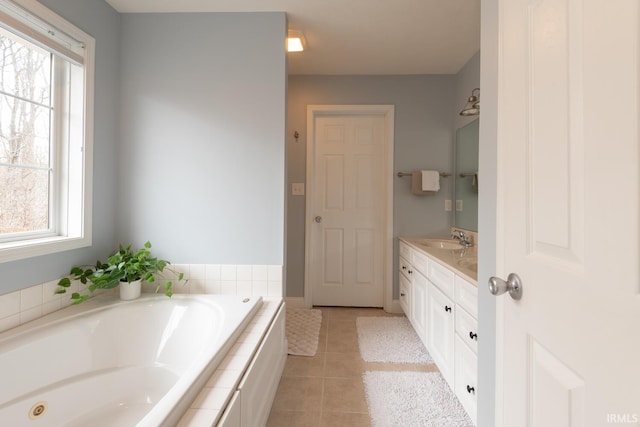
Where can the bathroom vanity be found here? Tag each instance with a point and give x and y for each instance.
(438, 294)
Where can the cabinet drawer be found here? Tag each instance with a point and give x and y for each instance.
(404, 250)
(420, 262)
(467, 296)
(404, 267)
(466, 378)
(442, 277)
(467, 329)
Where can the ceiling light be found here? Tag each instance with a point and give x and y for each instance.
(295, 41)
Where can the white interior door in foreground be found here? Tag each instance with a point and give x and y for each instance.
(568, 212)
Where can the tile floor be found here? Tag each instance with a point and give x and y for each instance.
(327, 390)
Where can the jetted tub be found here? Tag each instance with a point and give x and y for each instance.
(113, 363)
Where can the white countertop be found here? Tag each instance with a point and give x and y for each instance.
(455, 259)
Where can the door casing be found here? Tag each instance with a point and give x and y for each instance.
(388, 112)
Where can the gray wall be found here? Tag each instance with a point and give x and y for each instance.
(202, 139)
(98, 19)
(423, 140)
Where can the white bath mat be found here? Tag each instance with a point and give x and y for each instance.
(408, 399)
(390, 340)
(303, 330)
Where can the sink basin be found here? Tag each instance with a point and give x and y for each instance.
(440, 243)
(470, 263)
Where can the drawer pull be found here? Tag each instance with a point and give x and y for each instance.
(402, 295)
(447, 308)
(471, 390)
(404, 267)
(410, 272)
(473, 336)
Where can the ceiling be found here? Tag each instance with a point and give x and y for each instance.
(359, 36)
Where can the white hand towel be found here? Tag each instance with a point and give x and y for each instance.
(430, 181)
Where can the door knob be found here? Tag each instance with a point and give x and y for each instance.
(318, 219)
(513, 285)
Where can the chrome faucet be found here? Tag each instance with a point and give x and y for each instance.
(462, 237)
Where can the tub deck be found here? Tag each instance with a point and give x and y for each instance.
(102, 363)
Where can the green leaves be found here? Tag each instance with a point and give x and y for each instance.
(124, 265)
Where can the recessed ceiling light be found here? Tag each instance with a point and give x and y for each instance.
(295, 41)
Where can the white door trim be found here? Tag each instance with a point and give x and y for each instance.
(388, 111)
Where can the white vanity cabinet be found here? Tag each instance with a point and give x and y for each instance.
(466, 345)
(404, 282)
(419, 292)
(413, 288)
(443, 308)
(441, 320)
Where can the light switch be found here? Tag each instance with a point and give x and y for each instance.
(459, 205)
(297, 189)
(447, 205)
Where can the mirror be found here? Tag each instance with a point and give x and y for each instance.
(466, 173)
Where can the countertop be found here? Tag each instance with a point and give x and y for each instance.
(459, 260)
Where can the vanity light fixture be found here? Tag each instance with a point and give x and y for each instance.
(473, 104)
(295, 41)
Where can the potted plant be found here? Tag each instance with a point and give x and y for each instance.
(125, 268)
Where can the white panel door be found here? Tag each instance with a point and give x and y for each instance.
(347, 232)
(568, 352)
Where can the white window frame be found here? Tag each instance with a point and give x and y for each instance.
(73, 219)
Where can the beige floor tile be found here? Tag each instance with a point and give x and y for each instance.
(299, 394)
(344, 365)
(327, 390)
(342, 337)
(341, 325)
(293, 419)
(344, 395)
(344, 342)
(302, 366)
(344, 419)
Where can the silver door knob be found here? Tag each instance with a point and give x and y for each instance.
(513, 285)
(318, 219)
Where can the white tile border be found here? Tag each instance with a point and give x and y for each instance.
(36, 301)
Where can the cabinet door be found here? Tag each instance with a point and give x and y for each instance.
(405, 267)
(441, 324)
(419, 286)
(466, 378)
(232, 414)
(405, 295)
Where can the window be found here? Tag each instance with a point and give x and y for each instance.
(46, 96)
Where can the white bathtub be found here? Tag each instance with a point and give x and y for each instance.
(112, 363)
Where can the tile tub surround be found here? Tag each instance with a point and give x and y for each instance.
(19, 307)
(208, 407)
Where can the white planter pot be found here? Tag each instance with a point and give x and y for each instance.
(130, 290)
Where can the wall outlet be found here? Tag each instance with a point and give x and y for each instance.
(447, 205)
(297, 189)
(459, 206)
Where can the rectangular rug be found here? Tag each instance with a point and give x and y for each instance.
(412, 399)
(390, 340)
(302, 327)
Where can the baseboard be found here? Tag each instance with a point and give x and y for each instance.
(295, 302)
(394, 307)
